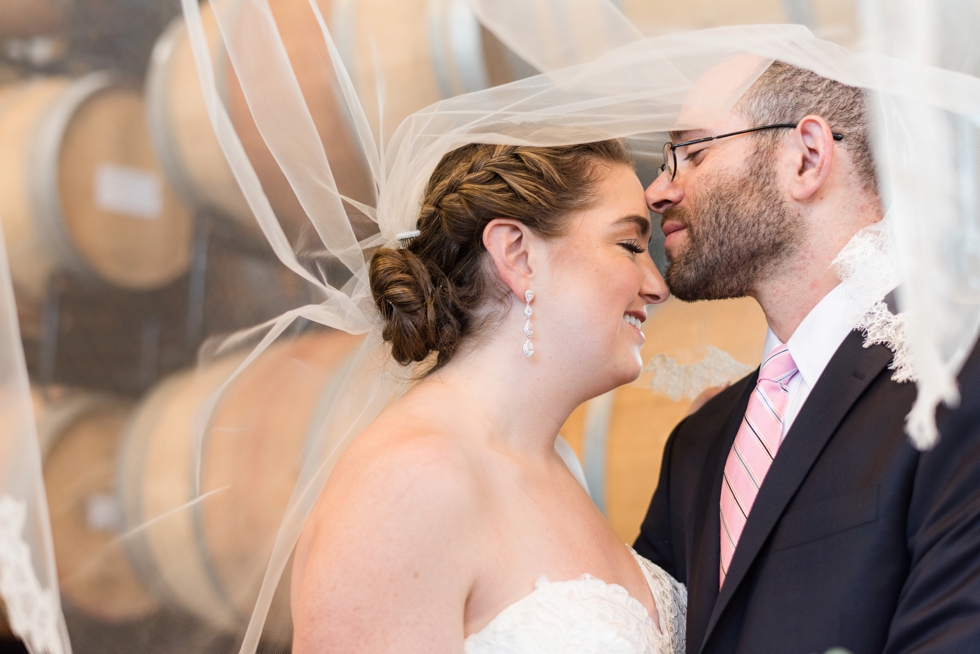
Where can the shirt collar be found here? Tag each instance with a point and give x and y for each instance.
(817, 338)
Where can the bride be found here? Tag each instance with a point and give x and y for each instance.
(452, 523)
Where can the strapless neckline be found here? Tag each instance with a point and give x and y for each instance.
(615, 592)
(562, 616)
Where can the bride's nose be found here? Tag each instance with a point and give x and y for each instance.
(653, 289)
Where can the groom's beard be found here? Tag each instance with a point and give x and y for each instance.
(739, 231)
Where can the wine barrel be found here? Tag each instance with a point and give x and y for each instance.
(421, 61)
(184, 138)
(207, 553)
(417, 52)
(620, 436)
(80, 435)
(25, 18)
(181, 130)
(80, 189)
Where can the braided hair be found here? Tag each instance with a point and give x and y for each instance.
(430, 293)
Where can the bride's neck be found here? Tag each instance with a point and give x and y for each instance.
(504, 397)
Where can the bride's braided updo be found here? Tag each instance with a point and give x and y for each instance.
(430, 293)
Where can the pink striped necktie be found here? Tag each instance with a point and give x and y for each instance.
(758, 438)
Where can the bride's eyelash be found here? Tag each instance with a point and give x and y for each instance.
(634, 247)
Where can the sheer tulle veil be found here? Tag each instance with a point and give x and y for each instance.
(621, 85)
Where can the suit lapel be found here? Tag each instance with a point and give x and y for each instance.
(706, 550)
(846, 377)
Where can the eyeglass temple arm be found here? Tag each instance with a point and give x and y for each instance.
(837, 136)
(674, 146)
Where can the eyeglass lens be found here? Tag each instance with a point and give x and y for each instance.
(670, 164)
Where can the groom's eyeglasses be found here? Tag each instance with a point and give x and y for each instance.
(670, 149)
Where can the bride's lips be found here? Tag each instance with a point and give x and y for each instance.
(670, 228)
(635, 319)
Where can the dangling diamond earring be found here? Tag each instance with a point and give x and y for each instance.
(528, 330)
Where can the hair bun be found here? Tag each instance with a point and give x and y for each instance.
(404, 294)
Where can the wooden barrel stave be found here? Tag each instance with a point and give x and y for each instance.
(30, 263)
(180, 128)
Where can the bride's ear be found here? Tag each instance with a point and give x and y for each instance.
(510, 244)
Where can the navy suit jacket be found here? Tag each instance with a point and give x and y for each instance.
(855, 540)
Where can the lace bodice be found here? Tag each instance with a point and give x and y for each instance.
(588, 616)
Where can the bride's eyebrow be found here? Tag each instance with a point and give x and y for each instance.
(642, 223)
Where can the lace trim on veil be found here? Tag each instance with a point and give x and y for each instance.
(686, 381)
(32, 611)
(867, 269)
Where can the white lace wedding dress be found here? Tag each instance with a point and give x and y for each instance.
(588, 616)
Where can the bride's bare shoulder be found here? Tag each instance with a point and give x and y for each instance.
(392, 538)
(411, 441)
(406, 461)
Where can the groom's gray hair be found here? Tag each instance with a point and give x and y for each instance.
(785, 94)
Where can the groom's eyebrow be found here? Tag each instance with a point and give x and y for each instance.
(642, 223)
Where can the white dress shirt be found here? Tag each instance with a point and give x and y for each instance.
(812, 346)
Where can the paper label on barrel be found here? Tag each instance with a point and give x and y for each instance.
(130, 191)
(102, 512)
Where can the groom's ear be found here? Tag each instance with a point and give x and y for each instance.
(510, 244)
(812, 148)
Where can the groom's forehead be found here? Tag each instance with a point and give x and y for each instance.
(731, 122)
(687, 135)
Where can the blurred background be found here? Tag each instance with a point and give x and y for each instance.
(130, 246)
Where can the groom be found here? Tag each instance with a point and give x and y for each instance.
(792, 504)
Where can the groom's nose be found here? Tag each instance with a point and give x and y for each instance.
(663, 194)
